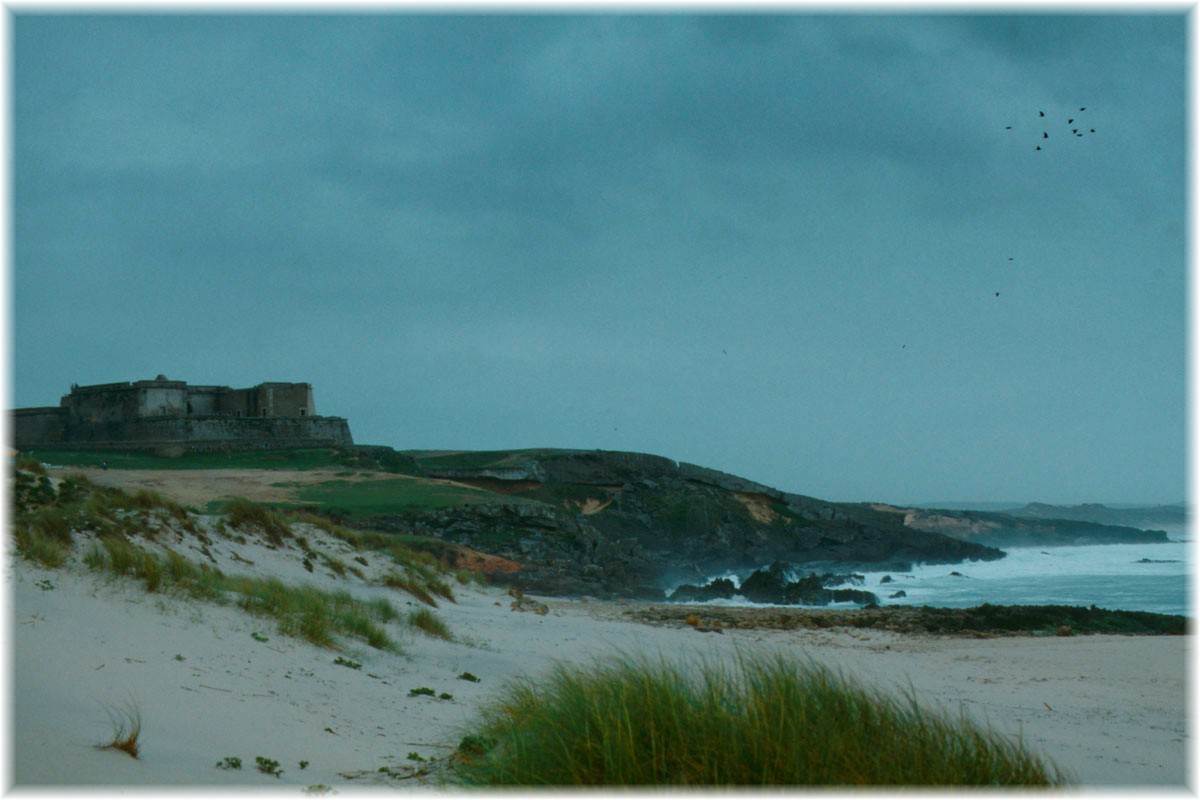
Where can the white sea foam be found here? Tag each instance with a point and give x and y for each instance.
(1129, 577)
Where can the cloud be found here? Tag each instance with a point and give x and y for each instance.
(720, 222)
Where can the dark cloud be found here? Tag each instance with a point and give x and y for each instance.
(710, 232)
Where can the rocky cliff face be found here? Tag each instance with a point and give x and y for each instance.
(1012, 530)
(1145, 518)
(632, 524)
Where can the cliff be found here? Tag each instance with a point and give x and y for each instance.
(996, 529)
(634, 524)
(1169, 516)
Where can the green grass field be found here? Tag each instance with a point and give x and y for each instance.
(269, 459)
(313, 458)
(393, 495)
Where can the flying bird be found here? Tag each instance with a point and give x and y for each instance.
(1045, 135)
(1081, 108)
(1041, 113)
(1070, 121)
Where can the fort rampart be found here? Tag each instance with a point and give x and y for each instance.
(174, 418)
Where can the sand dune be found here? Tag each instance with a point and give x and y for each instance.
(1109, 709)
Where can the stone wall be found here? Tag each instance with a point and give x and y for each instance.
(38, 425)
(190, 434)
(103, 403)
(284, 400)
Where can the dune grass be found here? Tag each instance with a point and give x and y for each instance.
(127, 729)
(35, 545)
(243, 514)
(315, 614)
(429, 623)
(47, 520)
(302, 611)
(768, 721)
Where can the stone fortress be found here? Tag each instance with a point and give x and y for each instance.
(171, 418)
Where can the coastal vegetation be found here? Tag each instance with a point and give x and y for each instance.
(769, 721)
(391, 496)
(129, 535)
(126, 723)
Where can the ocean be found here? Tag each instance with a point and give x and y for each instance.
(1127, 577)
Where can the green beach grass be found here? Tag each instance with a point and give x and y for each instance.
(768, 721)
(46, 521)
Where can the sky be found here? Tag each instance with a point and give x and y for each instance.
(819, 250)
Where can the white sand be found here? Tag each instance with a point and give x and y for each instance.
(1111, 710)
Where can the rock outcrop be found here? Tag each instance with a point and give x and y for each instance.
(772, 585)
(631, 524)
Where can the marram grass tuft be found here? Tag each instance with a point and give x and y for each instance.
(768, 721)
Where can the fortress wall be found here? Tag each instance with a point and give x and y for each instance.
(31, 425)
(285, 399)
(333, 430)
(161, 401)
(203, 400)
(202, 434)
(106, 403)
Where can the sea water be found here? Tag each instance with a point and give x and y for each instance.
(1127, 577)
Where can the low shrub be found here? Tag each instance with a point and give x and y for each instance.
(768, 721)
(28, 463)
(267, 766)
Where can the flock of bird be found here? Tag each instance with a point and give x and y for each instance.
(1077, 132)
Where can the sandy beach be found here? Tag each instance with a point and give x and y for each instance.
(212, 683)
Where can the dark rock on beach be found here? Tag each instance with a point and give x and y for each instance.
(771, 585)
(981, 621)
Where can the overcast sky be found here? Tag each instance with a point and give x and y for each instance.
(821, 251)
